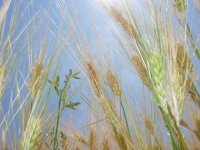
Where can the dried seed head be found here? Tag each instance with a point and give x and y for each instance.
(37, 76)
(183, 59)
(94, 78)
(193, 92)
(105, 144)
(141, 70)
(2, 79)
(114, 83)
(149, 125)
(81, 139)
(92, 140)
(197, 124)
(30, 138)
(64, 145)
(123, 22)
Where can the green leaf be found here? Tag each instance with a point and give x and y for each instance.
(70, 72)
(72, 105)
(63, 136)
(76, 77)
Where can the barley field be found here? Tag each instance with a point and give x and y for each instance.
(99, 74)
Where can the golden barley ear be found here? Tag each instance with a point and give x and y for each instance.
(31, 136)
(64, 145)
(193, 92)
(113, 83)
(149, 125)
(2, 79)
(94, 78)
(123, 22)
(92, 140)
(81, 139)
(37, 76)
(183, 59)
(141, 70)
(105, 144)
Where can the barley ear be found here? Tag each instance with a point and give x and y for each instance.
(157, 69)
(181, 5)
(37, 76)
(114, 83)
(94, 78)
(2, 79)
(31, 135)
(141, 70)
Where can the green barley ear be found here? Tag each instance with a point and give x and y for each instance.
(113, 83)
(157, 71)
(2, 79)
(30, 137)
(181, 5)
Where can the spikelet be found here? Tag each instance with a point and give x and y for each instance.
(77, 148)
(176, 93)
(149, 125)
(37, 76)
(92, 140)
(183, 59)
(157, 69)
(114, 83)
(81, 139)
(64, 145)
(123, 22)
(105, 144)
(141, 70)
(94, 78)
(197, 124)
(193, 92)
(181, 5)
(2, 79)
(31, 135)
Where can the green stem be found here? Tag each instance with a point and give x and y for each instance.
(58, 118)
(169, 125)
(125, 118)
(182, 141)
